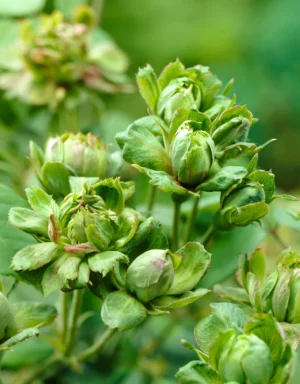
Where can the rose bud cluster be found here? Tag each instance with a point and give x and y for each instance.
(92, 240)
(191, 132)
(66, 158)
(277, 293)
(235, 349)
(62, 64)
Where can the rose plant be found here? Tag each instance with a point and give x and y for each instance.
(87, 235)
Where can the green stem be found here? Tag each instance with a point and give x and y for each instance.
(151, 199)
(98, 8)
(37, 372)
(64, 315)
(97, 346)
(72, 324)
(191, 220)
(208, 235)
(176, 219)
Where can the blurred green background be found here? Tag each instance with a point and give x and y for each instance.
(256, 42)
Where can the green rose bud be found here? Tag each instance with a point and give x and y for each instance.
(236, 349)
(245, 358)
(69, 155)
(242, 206)
(192, 155)
(179, 93)
(84, 155)
(150, 275)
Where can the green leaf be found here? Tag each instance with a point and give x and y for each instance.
(281, 294)
(181, 300)
(267, 329)
(142, 147)
(11, 238)
(26, 334)
(198, 372)
(148, 86)
(233, 243)
(29, 352)
(267, 180)
(104, 262)
(128, 225)
(257, 265)
(171, 72)
(243, 216)
(148, 236)
(40, 201)
(228, 87)
(52, 281)
(121, 310)
(292, 334)
(163, 181)
(224, 317)
(19, 8)
(77, 183)
(29, 221)
(101, 233)
(8, 326)
(194, 264)
(235, 294)
(224, 179)
(200, 120)
(55, 178)
(128, 188)
(242, 150)
(37, 315)
(285, 197)
(254, 291)
(35, 256)
(252, 164)
(111, 192)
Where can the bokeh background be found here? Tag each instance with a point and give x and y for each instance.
(256, 42)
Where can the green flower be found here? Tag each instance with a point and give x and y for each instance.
(81, 235)
(237, 350)
(242, 206)
(62, 64)
(190, 129)
(150, 275)
(278, 292)
(69, 156)
(192, 155)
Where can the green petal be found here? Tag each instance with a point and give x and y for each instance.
(122, 311)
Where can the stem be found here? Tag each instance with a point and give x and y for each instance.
(191, 220)
(151, 199)
(64, 314)
(39, 370)
(98, 8)
(72, 325)
(208, 234)
(97, 346)
(176, 218)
